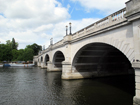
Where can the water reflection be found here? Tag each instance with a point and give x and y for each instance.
(35, 86)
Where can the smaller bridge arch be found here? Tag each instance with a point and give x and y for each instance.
(41, 59)
(46, 59)
(58, 58)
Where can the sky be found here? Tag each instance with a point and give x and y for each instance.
(37, 21)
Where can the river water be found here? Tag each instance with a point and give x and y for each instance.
(35, 86)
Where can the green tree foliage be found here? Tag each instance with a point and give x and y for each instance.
(9, 52)
(9, 43)
(5, 52)
(15, 54)
(35, 47)
(20, 55)
(28, 54)
(14, 44)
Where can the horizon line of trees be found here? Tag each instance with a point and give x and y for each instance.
(9, 51)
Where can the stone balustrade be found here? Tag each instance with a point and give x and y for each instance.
(108, 21)
(58, 44)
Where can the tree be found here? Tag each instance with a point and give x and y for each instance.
(35, 47)
(5, 52)
(14, 44)
(15, 54)
(28, 54)
(20, 55)
(9, 51)
(9, 43)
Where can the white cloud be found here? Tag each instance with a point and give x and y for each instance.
(43, 28)
(59, 29)
(28, 21)
(106, 6)
(36, 21)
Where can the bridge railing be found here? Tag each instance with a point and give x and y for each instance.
(108, 21)
(58, 43)
(112, 19)
(118, 15)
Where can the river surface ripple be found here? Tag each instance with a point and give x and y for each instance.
(35, 86)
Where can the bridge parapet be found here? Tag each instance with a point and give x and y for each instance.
(108, 21)
(67, 39)
(56, 45)
(35, 57)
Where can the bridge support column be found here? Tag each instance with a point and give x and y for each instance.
(51, 67)
(66, 70)
(38, 64)
(136, 99)
(69, 73)
(43, 66)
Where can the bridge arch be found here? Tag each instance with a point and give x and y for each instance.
(101, 59)
(41, 59)
(58, 58)
(46, 59)
(126, 48)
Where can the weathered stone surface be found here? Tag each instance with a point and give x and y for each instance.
(136, 101)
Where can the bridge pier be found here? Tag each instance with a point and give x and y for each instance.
(39, 64)
(51, 67)
(43, 66)
(136, 99)
(68, 72)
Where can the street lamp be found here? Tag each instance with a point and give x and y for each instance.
(70, 28)
(66, 30)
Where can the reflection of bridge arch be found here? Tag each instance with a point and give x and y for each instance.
(58, 58)
(101, 59)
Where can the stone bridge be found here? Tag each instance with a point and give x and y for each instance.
(110, 46)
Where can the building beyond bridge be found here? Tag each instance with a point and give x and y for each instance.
(107, 47)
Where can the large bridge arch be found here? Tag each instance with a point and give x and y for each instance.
(126, 48)
(101, 60)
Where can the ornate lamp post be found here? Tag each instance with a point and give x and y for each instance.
(51, 41)
(66, 30)
(70, 28)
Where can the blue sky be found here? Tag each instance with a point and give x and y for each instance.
(79, 12)
(37, 21)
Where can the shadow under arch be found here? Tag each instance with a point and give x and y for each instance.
(47, 58)
(58, 59)
(102, 59)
